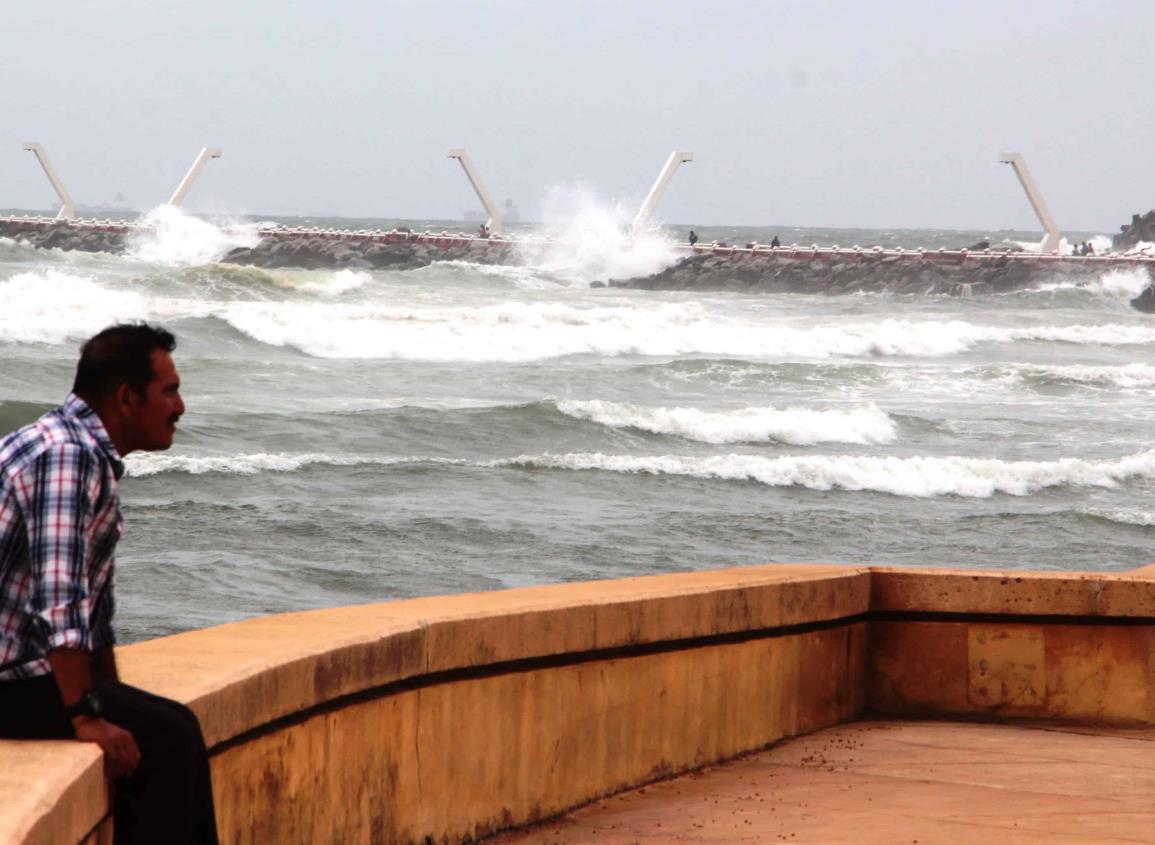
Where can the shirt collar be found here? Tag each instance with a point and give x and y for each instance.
(82, 411)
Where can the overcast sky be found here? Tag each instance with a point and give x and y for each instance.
(867, 114)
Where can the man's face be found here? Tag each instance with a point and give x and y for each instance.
(153, 420)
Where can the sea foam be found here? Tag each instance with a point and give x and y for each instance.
(795, 426)
(916, 477)
(527, 331)
(919, 477)
(1116, 283)
(1125, 517)
(338, 282)
(1125, 282)
(51, 307)
(255, 463)
(1125, 376)
(173, 238)
(592, 240)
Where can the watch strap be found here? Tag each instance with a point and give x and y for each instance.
(88, 705)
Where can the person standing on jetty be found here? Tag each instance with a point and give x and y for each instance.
(60, 521)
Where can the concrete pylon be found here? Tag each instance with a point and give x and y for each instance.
(1051, 236)
(642, 218)
(193, 173)
(67, 207)
(494, 221)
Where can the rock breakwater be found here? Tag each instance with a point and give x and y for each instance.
(391, 251)
(715, 268)
(87, 236)
(853, 271)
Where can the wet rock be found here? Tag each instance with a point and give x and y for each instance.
(1141, 228)
(863, 272)
(64, 235)
(1145, 301)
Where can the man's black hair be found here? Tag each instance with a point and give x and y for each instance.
(121, 354)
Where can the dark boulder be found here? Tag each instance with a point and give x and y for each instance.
(1142, 228)
(1145, 301)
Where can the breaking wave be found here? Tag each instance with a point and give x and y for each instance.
(17, 250)
(169, 236)
(590, 240)
(252, 464)
(917, 477)
(794, 426)
(526, 331)
(1142, 248)
(1125, 517)
(337, 283)
(515, 276)
(1118, 283)
(1127, 376)
(52, 307)
(1126, 283)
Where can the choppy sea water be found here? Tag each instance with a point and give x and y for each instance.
(356, 436)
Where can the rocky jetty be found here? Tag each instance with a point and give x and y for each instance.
(64, 234)
(281, 249)
(1142, 228)
(716, 268)
(851, 271)
(405, 252)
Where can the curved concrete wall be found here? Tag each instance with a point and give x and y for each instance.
(449, 718)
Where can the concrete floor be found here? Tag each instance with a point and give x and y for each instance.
(929, 783)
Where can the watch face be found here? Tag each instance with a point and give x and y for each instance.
(92, 704)
(88, 705)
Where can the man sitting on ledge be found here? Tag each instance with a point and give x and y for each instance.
(60, 521)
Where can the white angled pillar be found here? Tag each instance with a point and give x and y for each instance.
(193, 173)
(67, 208)
(1051, 235)
(494, 221)
(642, 219)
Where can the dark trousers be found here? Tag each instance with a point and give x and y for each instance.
(169, 798)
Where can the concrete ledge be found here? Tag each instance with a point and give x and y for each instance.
(50, 792)
(457, 716)
(238, 677)
(949, 643)
(1016, 594)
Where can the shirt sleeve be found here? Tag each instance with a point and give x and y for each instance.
(103, 634)
(62, 486)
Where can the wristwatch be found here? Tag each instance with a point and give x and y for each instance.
(88, 705)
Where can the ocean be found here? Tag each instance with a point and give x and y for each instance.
(356, 436)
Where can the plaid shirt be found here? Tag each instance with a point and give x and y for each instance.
(59, 523)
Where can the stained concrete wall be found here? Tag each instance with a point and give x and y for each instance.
(1070, 648)
(453, 717)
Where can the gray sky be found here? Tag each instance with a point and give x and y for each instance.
(870, 114)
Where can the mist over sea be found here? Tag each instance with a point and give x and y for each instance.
(356, 436)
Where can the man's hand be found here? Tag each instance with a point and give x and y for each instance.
(121, 756)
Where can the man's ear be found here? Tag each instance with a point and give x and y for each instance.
(126, 398)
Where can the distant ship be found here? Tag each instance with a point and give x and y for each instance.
(509, 214)
(116, 206)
